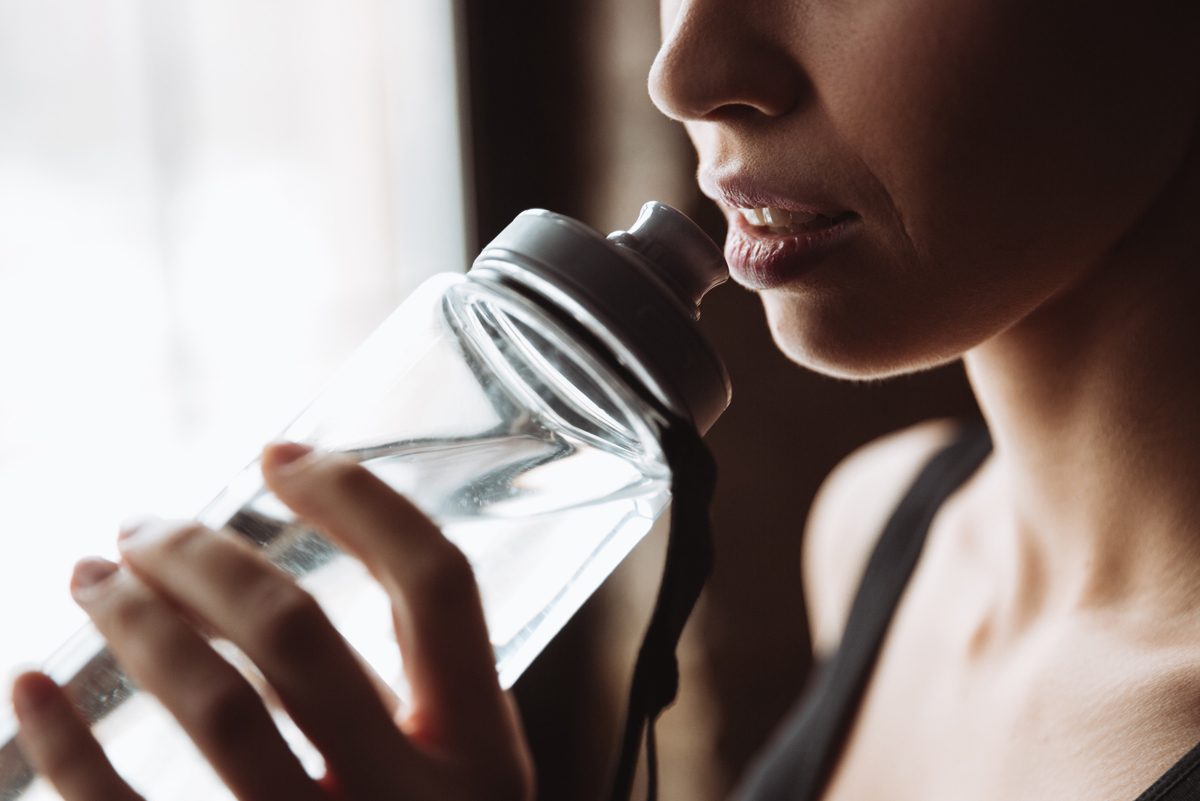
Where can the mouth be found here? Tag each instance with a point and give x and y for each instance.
(770, 246)
(776, 221)
(776, 237)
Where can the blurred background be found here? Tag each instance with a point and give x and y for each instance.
(205, 204)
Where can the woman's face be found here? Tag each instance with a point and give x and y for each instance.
(935, 170)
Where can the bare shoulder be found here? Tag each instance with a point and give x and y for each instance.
(849, 513)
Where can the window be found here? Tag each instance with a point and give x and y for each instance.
(204, 205)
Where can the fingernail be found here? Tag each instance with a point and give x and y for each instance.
(31, 694)
(132, 525)
(151, 530)
(89, 573)
(18, 670)
(280, 454)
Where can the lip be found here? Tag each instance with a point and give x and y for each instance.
(762, 260)
(743, 196)
(740, 191)
(759, 259)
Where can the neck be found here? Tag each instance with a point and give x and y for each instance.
(1094, 406)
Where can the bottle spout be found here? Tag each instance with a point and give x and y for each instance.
(681, 253)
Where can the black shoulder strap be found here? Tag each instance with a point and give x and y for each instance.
(798, 765)
(1180, 783)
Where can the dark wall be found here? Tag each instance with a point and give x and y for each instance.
(527, 102)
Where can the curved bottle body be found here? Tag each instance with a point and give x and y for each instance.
(534, 457)
(531, 452)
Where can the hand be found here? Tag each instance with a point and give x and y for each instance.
(460, 740)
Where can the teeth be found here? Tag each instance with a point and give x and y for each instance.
(771, 217)
(753, 216)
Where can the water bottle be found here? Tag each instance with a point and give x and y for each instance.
(519, 407)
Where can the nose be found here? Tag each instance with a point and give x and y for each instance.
(714, 65)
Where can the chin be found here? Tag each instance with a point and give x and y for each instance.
(861, 365)
(862, 347)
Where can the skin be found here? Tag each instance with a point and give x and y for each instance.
(1026, 177)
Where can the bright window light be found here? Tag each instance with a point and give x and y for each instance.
(204, 205)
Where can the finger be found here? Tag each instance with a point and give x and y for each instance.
(240, 596)
(387, 696)
(60, 746)
(457, 701)
(391, 701)
(217, 708)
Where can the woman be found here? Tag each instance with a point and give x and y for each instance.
(1010, 181)
(1015, 182)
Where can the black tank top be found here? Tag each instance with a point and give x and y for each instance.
(798, 763)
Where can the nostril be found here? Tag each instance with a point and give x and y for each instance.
(711, 75)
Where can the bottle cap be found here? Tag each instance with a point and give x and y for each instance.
(637, 291)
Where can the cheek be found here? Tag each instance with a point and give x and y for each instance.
(1010, 150)
(1011, 134)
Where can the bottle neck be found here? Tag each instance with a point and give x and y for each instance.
(593, 333)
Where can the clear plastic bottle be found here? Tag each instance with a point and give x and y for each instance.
(516, 405)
